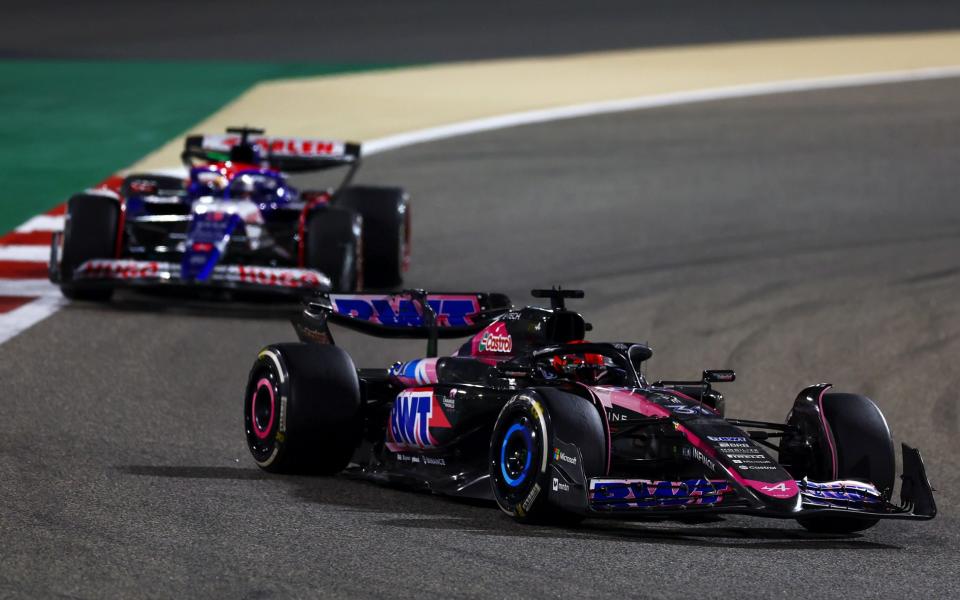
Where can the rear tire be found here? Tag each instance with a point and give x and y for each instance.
(385, 212)
(89, 232)
(864, 452)
(333, 246)
(302, 409)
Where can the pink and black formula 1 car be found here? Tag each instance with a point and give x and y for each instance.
(235, 221)
(555, 428)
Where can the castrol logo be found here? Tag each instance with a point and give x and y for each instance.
(496, 340)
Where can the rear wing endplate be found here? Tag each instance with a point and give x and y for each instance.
(411, 314)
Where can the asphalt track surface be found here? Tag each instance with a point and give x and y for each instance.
(794, 238)
(429, 30)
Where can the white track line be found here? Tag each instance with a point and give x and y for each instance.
(16, 321)
(36, 253)
(41, 223)
(27, 287)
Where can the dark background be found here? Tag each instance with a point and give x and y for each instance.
(429, 30)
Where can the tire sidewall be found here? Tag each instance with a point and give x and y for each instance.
(853, 434)
(269, 450)
(81, 242)
(532, 493)
(862, 439)
(316, 411)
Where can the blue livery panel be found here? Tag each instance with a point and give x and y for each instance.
(395, 311)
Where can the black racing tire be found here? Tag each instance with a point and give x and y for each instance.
(333, 247)
(302, 409)
(386, 230)
(522, 451)
(89, 232)
(864, 452)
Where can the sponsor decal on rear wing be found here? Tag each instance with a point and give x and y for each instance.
(410, 314)
(282, 152)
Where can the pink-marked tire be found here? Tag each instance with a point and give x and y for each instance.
(302, 409)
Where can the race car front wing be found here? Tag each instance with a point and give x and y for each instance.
(140, 272)
(854, 499)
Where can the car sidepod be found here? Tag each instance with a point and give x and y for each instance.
(436, 437)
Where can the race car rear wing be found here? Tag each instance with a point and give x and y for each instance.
(409, 314)
(289, 154)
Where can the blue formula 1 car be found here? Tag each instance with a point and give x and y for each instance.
(236, 222)
(552, 427)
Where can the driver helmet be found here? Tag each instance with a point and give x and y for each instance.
(246, 153)
(257, 187)
(585, 368)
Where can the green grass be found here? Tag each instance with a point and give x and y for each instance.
(65, 125)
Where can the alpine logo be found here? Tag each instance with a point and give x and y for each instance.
(616, 416)
(415, 412)
(780, 487)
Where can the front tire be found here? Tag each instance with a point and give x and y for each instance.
(518, 458)
(302, 409)
(856, 444)
(89, 232)
(528, 433)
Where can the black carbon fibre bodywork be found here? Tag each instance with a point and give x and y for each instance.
(531, 415)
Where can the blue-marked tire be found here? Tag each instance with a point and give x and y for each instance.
(528, 438)
(519, 448)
